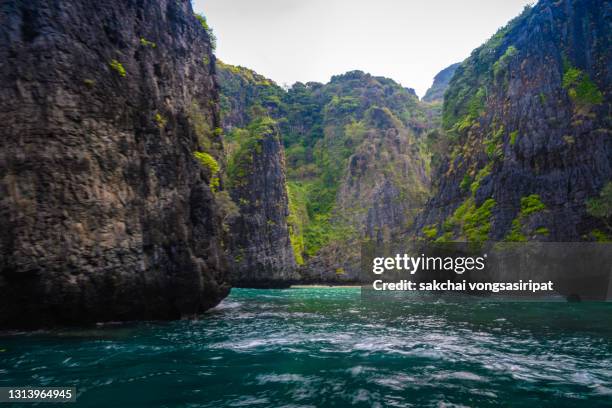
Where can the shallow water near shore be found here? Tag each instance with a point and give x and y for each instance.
(329, 347)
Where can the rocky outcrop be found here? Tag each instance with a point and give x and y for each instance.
(436, 92)
(367, 176)
(528, 117)
(260, 246)
(260, 243)
(385, 180)
(105, 214)
(246, 96)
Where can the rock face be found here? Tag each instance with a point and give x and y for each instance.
(356, 159)
(246, 95)
(104, 212)
(440, 84)
(355, 170)
(260, 244)
(527, 117)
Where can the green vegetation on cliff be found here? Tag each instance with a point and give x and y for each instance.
(580, 88)
(529, 205)
(241, 146)
(324, 127)
(526, 115)
(469, 222)
(487, 65)
(209, 31)
(298, 219)
(601, 207)
(246, 96)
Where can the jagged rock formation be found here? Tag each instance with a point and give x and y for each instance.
(260, 245)
(105, 214)
(356, 163)
(527, 119)
(436, 92)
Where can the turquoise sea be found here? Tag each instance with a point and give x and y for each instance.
(328, 347)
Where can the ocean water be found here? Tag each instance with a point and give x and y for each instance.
(324, 347)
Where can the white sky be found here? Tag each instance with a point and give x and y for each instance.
(311, 40)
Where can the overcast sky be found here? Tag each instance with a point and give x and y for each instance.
(311, 40)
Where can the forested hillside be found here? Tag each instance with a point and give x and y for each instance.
(356, 158)
(516, 140)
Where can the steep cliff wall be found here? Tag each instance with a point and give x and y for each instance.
(528, 127)
(356, 164)
(105, 214)
(260, 243)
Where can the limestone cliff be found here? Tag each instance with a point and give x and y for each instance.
(528, 130)
(246, 95)
(105, 213)
(357, 165)
(260, 246)
(356, 169)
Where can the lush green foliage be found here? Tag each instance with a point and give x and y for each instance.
(529, 205)
(466, 182)
(117, 67)
(600, 236)
(243, 144)
(516, 232)
(502, 63)
(209, 162)
(471, 222)
(160, 120)
(146, 43)
(297, 220)
(601, 207)
(513, 137)
(581, 89)
(246, 95)
(465, 97)
(494, 144)
(430, 231)
(484, 172)
(322, 127)
(209, 31)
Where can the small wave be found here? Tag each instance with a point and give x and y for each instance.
(281, 378)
